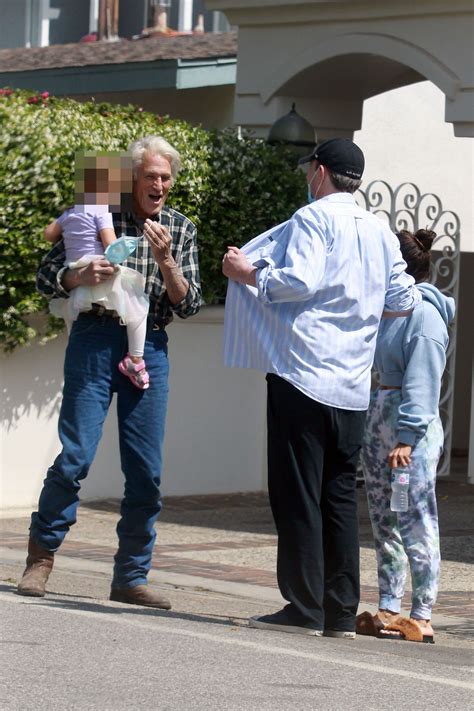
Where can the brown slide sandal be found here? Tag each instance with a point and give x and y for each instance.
(406, 630)
(368, 624)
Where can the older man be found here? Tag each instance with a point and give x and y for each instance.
(304, 305)
(98, 341)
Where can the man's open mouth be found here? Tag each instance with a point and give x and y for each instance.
(154, 198)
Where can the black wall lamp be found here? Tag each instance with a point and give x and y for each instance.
(294, 131)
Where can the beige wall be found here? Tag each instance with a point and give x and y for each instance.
(405, 139)
(215, 440)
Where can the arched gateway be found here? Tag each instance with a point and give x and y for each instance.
(331, 55)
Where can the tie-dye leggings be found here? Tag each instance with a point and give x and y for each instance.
(410, 537)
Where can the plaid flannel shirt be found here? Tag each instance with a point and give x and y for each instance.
(184, 251)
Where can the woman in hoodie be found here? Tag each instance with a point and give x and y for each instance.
(404, 430)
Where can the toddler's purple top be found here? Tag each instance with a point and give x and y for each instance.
(81, 225)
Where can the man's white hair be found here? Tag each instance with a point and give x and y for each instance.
(156, 146)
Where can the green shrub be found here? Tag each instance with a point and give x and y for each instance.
(252, 186)
(231, 188)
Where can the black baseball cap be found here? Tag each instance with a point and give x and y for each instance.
(340, 155)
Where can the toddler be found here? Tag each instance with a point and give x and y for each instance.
(102, 183)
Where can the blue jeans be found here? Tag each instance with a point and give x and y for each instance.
(96, 345)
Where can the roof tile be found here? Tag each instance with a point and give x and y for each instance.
(200, 46)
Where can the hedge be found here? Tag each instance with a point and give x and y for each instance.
(231, 187)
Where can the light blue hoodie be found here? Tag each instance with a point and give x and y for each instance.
(411, 354)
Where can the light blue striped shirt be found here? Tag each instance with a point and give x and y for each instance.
(325, 276)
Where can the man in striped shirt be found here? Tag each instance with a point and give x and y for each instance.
(167, 259)
(303, 305)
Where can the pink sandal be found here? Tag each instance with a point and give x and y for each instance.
(137, 372)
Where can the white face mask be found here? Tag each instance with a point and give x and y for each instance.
(312, 198)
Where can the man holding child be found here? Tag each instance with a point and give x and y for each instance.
(167, 259)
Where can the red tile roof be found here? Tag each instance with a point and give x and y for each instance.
(200, 46)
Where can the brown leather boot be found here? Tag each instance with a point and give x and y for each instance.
(39, 565)
(140, 595)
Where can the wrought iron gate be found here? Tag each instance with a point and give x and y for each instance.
(405, 207)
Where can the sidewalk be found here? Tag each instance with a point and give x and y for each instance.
(227, 545)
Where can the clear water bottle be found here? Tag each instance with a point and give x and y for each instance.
(400, 484)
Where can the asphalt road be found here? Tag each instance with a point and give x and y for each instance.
(67, 652)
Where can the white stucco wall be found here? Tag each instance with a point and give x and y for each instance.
(215, 430)
(404, 137)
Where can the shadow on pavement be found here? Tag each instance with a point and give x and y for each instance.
(250, 513)
(85, 604)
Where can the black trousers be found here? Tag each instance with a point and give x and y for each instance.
(312, 459)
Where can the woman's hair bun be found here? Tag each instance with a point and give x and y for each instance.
(424, 238)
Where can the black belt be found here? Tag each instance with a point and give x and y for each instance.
(98, 311)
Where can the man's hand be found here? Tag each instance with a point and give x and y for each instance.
(159, 240)
(237, 267)
(399, 456)
(96, 272)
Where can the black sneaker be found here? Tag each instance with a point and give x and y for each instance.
(280, 622)
(340, 634)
